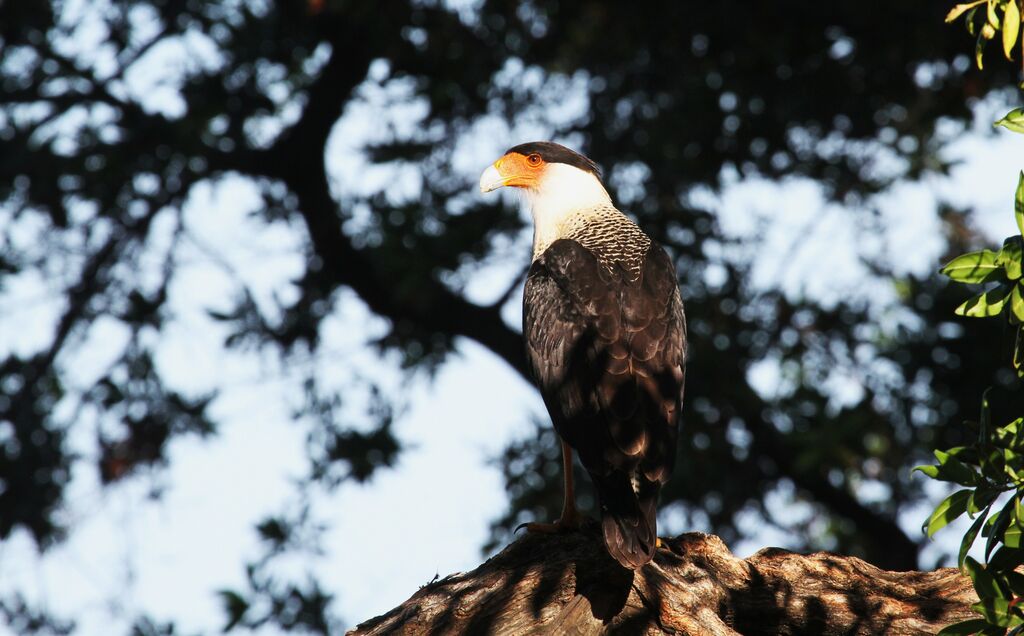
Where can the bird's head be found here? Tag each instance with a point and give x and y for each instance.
(549, 174)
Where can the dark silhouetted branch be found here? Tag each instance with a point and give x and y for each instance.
(569, 585)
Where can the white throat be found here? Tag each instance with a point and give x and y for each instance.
(564, 197)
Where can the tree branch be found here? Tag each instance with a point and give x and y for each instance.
(569, 584)
(433, 307)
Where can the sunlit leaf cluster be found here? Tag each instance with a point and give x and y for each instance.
(985, 18)
(1005, 268)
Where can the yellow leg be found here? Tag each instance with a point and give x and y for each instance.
(570, 518)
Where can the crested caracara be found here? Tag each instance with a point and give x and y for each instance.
(605, 338)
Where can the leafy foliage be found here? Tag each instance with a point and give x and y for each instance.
(986, 18)
(269, 600)
(992, 467)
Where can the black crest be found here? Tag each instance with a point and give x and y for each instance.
(551, 152)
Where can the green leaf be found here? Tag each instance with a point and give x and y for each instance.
(981, 498)
(1017, 302)
(1011, 257)
(952, 469)
(1006, 558)
(1016, 581)
(1009, 435)
(986, 304)
(984, 583)
(963, 453)
(971, 626)
(1011, 464)
(1011, 27)
(999, 525)
(968, 540)
(975, 267)
(1018, 199)
(1018, 437)
(999, 612)
(993, 465)
(1013, 120)
(966, 454)
(951, 507)
(1011, 538)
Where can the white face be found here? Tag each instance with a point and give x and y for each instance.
(557, 194)
(563, 190)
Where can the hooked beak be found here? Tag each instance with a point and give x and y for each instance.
(491, 179)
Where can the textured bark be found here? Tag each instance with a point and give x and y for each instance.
(569, 585)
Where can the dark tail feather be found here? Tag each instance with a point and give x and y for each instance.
(627, 521)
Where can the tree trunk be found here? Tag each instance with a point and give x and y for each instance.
(567, 584)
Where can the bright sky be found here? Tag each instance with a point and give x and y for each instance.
(130, 552)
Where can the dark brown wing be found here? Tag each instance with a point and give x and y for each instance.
(567, 304)
(608, 354)
(658, 351)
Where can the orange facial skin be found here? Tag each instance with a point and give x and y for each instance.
(519, 171)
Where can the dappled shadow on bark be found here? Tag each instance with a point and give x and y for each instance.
(694, 585)
(520, 587)
(786, 593)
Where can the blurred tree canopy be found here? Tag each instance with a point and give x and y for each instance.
(677, 100)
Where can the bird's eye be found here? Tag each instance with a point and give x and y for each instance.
(533, 160)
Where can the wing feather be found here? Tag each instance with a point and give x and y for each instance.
(608, 351)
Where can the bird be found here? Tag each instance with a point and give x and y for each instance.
(605, 338)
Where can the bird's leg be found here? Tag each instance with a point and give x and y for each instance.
(570, 518)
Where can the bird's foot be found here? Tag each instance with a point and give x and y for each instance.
(568, 522)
